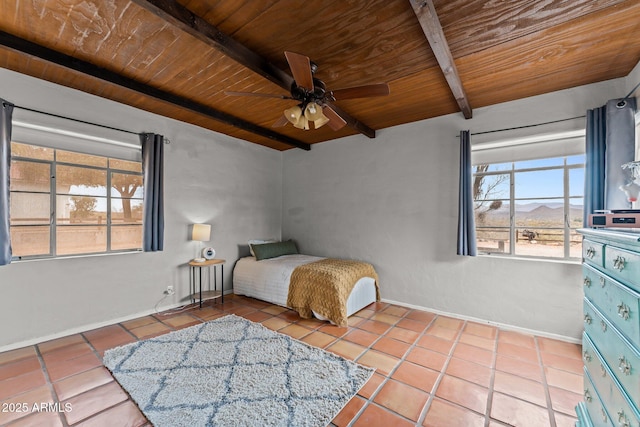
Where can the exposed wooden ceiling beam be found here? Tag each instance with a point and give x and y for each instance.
(426, 14)
(33, 49)
(181, 17)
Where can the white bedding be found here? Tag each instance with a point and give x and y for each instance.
(268, 280)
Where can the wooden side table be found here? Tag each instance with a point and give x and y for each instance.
(196, 271)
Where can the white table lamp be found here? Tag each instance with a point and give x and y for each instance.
(200, 233)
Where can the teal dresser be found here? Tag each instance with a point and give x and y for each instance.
(611, 338)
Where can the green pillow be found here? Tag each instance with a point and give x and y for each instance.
(272, 250)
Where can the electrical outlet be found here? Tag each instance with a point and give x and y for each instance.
(169, 290)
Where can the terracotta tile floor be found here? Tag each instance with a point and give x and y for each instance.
(431, 370)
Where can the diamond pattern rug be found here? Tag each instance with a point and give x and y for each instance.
(233, 372)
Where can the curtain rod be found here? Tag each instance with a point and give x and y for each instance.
(166, 140)
(526, 126)
(546, 123)
(632, 91)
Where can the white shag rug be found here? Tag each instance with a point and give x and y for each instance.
(234, 372)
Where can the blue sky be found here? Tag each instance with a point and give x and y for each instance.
(549, 183)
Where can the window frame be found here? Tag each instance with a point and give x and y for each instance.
(566, 198)
(53, 194)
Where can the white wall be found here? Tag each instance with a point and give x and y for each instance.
(234, 185)
(392, 201)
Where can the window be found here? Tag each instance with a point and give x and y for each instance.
(69, 203)
(530, 208)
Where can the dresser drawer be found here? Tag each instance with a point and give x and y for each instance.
(593, 252)
(598, 415)
(623, 265)
(608, 389)
(616, 301)
(622, 360)
(606, 398)
(594, 364)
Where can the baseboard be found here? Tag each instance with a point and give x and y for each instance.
(97, 325)
(91, 326)
(488, 322)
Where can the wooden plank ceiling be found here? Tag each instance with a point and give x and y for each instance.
(140, 53)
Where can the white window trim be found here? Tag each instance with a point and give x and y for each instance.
(557, 140)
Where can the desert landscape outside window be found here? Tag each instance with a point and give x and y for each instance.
(530, 208)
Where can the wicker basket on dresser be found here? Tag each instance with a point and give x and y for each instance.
(611, 338)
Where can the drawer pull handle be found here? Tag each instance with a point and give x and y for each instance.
(623, 421)
(602, 282)
(603, 371)
(587, 282)
(587, 396)
(624, 311)
(603, 326)
(590, 252)
(586, 356)
(587, 319)
(619, 263)
(624, 366)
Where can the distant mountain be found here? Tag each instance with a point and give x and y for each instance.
(536, 212)
(532, 206)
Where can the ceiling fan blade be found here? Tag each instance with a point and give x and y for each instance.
(335, 121)
(366, 91)
(282, 121)
(261, 95)
(301, 69)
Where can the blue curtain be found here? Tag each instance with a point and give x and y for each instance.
(153, 211)
(595, 149)
(6, 111)
(466, 219)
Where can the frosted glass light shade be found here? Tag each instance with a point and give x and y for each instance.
(201, 232)
(321, 121)
(302, 123)
(313, 111)
(314, 114)
(293, 114)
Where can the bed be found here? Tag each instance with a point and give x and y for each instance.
(277, 279)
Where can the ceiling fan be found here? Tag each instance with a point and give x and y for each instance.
(313, 97)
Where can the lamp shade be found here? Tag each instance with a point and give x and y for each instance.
(313, 111)
(302, 123)
(293, 114)
(321, 121)
(201, 232)
(314, 114)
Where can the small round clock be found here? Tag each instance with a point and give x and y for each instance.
(208, 253)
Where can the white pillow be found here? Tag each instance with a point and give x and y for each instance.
(259, 242)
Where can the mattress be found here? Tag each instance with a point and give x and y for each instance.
(268, 280)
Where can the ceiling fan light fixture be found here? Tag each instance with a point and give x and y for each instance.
(293, 114)
(302, 123)
(323, 120)
(313, 113)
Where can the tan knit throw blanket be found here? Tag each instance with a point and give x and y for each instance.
(324, 287)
